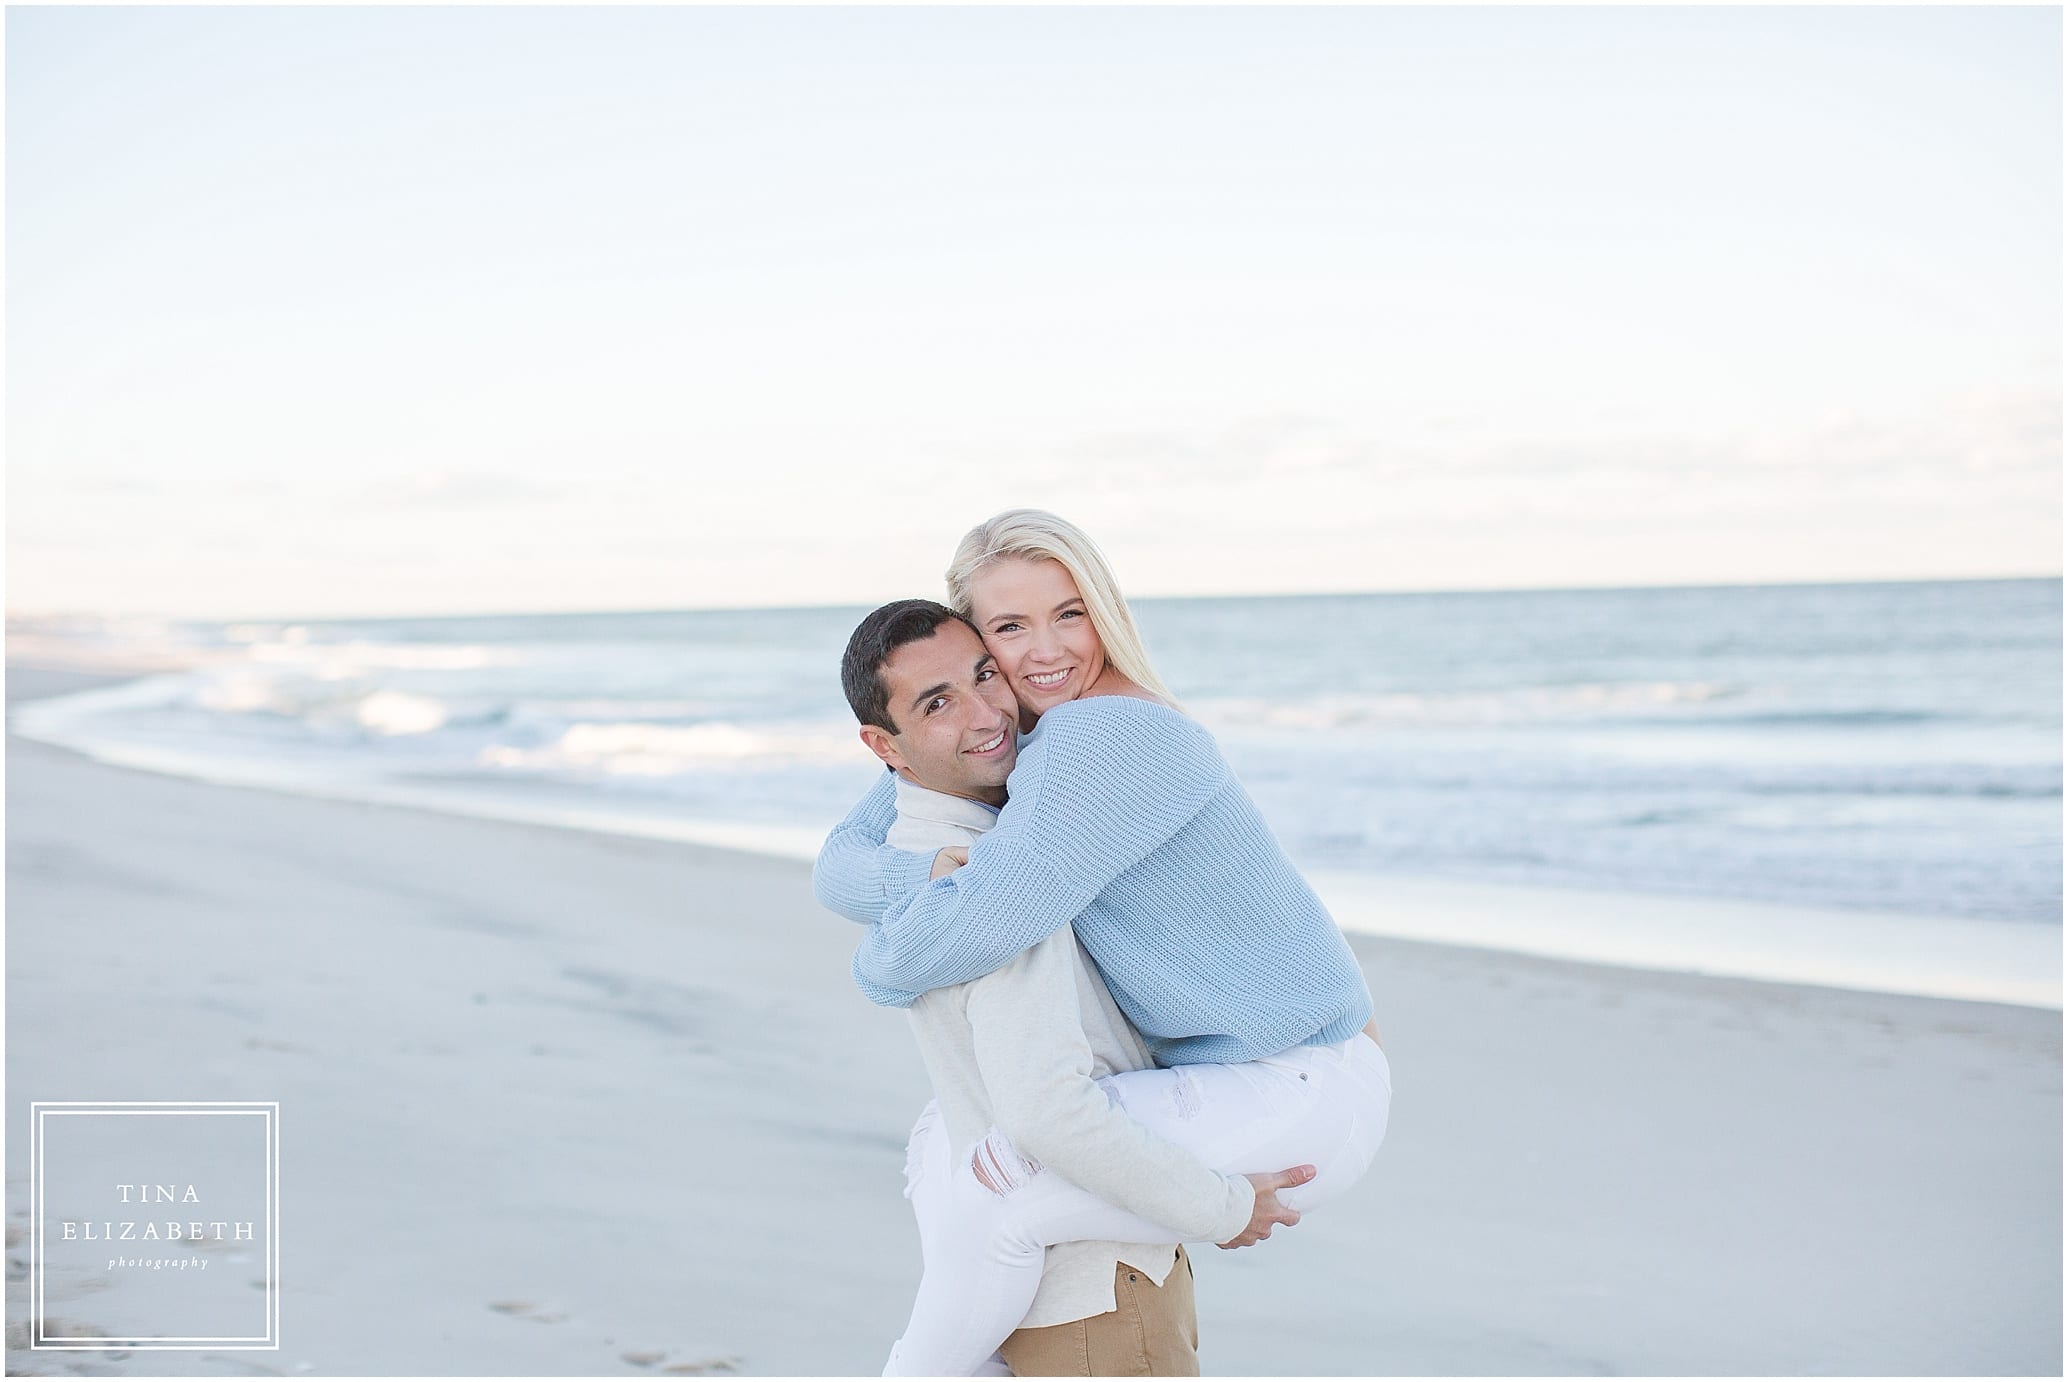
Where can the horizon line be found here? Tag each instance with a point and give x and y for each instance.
(31, 617)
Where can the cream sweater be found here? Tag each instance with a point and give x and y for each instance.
(1019, 1048)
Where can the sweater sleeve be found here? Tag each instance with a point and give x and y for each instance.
(856, 873)
(1037, 1064)
(1100, 786)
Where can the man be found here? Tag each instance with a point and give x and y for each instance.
(1016, 1051)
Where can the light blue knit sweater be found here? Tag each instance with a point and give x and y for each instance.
(1125, 819)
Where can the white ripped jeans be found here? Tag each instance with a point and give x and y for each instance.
(1324, 1106)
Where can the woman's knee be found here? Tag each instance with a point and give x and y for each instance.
(996, 1194)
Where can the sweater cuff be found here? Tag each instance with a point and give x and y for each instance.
(905, 873)
(879, 994)
(1242, 1204)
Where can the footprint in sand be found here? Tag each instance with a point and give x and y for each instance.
(250, 1367)
(646, 1358)
(528, 1310)
(259, 1044)
(56, 1328)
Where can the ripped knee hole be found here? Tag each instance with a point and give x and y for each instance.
(1000, 1168)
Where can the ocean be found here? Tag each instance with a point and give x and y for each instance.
(1876, 749)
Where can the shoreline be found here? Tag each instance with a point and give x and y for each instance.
(591, 1080)
(1965, 959)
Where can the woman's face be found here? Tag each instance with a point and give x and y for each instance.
(1035, 624)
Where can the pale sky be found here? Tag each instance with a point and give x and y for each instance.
(376, 311)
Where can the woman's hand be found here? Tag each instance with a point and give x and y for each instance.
(949, 860)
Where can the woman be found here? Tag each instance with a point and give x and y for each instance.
(1125, 822)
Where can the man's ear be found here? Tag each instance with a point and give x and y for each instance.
(880, 743)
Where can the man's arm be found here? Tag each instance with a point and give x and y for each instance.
(1098, 787)
(1036, 1065)
(857, 874)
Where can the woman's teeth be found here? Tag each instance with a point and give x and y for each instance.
(1048, 678)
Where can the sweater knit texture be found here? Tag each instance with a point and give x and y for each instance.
(1123, 819)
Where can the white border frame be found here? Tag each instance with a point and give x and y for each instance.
(269, 1111)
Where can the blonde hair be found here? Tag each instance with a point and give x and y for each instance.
(1034, 534)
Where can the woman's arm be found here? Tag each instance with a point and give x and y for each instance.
(1037, 1068)
(1098, 788)
(856, 874)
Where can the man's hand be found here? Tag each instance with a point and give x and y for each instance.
(1268, 1210)
(949, 860)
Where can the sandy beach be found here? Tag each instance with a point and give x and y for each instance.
(557, 1102)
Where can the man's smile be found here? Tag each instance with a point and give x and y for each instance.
(991, 747)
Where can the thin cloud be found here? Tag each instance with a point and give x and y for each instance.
(454, 489)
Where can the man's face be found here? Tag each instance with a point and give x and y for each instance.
(955, 715)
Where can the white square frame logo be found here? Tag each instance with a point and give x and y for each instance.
(41, 1110)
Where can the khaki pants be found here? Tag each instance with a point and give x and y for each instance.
(1153, 1333)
